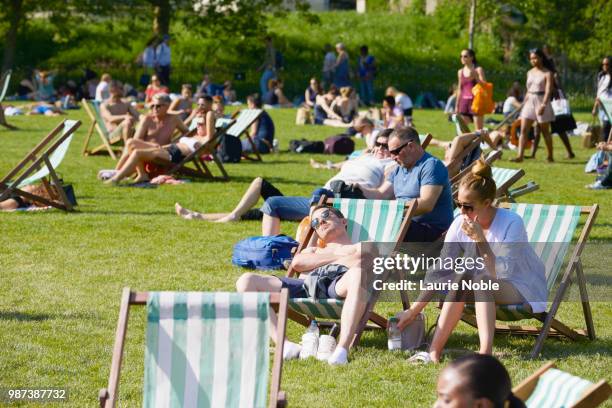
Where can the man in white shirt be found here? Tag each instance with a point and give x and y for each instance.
(163, 57)
(103, 88)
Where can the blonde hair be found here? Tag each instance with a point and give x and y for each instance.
(346, 91)
(106, 77)
(480, 180)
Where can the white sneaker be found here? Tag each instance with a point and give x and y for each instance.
(327, 345)
(310, 344)
(106, 174)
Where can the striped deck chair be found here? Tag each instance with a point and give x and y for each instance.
(40, 165)
(111, 141)
(204, 349)
(199, 168)
(550, 387)
(5, 80)
(368, 220)
(550, 229)
(243, 121)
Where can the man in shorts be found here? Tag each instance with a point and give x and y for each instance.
(340, 260)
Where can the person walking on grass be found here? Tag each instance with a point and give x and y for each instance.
(367, 71)
(467, 78)
(537, 107)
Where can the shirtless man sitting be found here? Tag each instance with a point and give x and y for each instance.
(117, 113)
(339, 256)
(154, 131)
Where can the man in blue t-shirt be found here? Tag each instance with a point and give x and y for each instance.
(422, 177)
(367, 72)
(262, 130)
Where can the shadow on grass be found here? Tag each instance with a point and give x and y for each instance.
(39, 317)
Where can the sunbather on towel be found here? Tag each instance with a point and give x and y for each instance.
(367, 170)
(155, 129)
(339, 257)
(15, 201)
(115, 112)
(498, 237)
(174, 152)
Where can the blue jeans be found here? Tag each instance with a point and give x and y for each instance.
(293, 208)
(367, 90)
(266, 76)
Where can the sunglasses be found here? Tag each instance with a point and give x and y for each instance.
(316, 222)
(468, 207)
(156, 106)
(397, 151)
(382, 145)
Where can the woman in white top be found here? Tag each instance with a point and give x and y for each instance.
(402, 100)
(604, 91)
(513, 99)
(498, 237)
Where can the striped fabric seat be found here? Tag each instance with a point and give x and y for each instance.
(206, 349)
(368, 220)
(55, 158)
(557, 389)
(243, 121)
(550, 229)
(4, 83)
(606, 104)
(501, 176)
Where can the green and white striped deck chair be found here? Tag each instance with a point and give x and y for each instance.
(368, 220)
(506, 178)
(606, 105)
(243, 121)
(111, 141)
(550, 229)
(5, 80)
(40, 165)
(204, 349)
(549, 387)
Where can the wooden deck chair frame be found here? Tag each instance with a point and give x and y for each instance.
(551, 327)
(591, 398)
(111, 142)
(369, 314)
(245, 132)
(490, 158)
(108, 397)
(200, 170)
(37, 158)
(4, 83)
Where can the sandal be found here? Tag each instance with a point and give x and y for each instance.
(422, 357)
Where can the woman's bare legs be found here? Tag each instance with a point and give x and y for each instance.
(449, 317)
(568, 146)
(270, 225)
(248, 200)
(545, 127)
(457, 146)
(135, 163)
(525, 126)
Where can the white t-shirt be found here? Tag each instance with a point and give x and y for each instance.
(403, 101)
(509, 104)
(515, 259)
(329, 61)
(102, 91)
(371, 138)
(366, 170)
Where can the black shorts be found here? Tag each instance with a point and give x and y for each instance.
(297, 289)
(176, 156)
(408, 112)
(20, 201)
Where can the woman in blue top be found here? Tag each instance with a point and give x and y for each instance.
(498, 238)
(341, 75)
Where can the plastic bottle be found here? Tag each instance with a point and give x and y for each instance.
(394, 335)
(276, 146)
(310, 341)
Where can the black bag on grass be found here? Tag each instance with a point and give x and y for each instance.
(306, 146)
(230, 149)
(339, 144)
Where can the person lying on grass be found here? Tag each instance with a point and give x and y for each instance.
(368, 170)
(341, 259)
(174, 152)
(498, 237)
(117, 113)
(15, 201)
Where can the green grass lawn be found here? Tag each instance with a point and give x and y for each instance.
(61, 275)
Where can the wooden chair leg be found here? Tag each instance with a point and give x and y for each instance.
(584, 297)
(88, 137)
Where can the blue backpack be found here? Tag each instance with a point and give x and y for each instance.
(263, 252)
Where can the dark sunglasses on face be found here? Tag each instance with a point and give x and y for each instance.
(316, 222)
(156, 106)
(397, 151)
(467, 207)
(381, 145)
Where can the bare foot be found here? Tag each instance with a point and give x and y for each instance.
(185, 213)
(314, 164)
(517, 160)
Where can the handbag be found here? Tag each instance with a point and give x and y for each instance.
(561, 105)
(413, 335)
